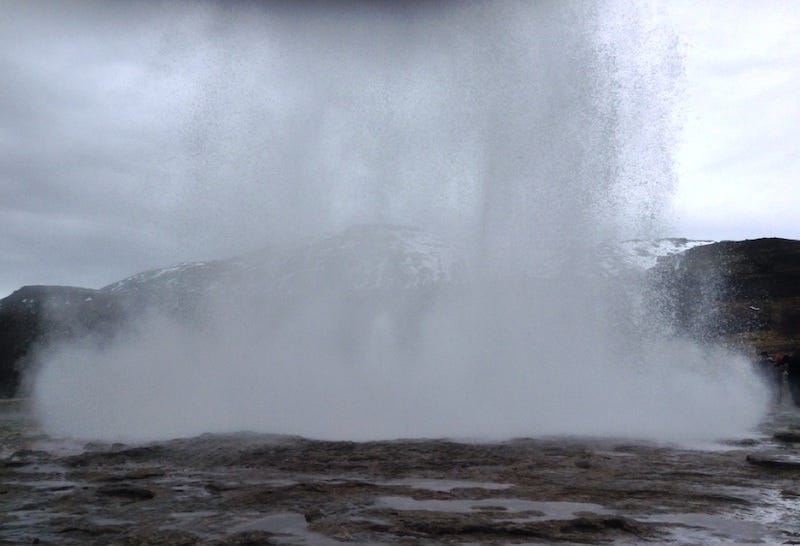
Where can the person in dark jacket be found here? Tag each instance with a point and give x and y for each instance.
(777, 373)
(771, 373)
(792, 364)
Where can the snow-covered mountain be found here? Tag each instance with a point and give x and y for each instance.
(392, 272)
(360, 258)
(364, 257)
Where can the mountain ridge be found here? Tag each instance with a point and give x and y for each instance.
(407, 262)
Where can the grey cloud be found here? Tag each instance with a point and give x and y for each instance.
(209, 128)
(168, 163)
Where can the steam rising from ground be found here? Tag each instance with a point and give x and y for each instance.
(484, 376)
(531, 135)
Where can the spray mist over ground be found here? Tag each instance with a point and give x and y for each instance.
(526, 136)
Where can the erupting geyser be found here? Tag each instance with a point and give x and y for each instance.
(518, 141)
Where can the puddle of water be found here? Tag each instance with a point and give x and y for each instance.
(289, 528)
(41, 468)
(103, 522)
(277, 483)
(543, 510)
(20, 525)
(765, 520)
(55, 486)
(446, 485)
(778, 512)
(712, 529)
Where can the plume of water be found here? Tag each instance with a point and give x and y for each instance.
(530, 134)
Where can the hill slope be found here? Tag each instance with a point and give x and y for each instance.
(747, 292)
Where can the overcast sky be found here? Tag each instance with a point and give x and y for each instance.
(738, 161)
(119, 119)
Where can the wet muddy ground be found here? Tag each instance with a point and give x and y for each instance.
(248, 489)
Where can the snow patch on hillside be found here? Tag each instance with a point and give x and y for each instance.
(364, 257)
(644, 253)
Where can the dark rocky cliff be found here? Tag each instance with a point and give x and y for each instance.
(35, 315)
(744, 293)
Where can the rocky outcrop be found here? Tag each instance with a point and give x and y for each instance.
(36, 315)
(746, 293)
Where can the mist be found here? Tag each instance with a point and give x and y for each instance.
(526, 137)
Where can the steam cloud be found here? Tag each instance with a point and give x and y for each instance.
(531, 135)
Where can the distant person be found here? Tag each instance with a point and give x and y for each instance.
(792, 364)
(765, 368)
(777, 373)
